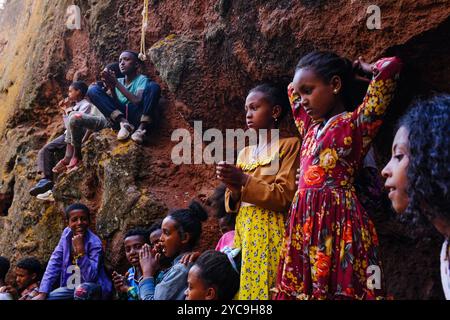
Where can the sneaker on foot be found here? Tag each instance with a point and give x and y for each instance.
(125, 130)
(46, 196)
(138, 136)
(42, 186)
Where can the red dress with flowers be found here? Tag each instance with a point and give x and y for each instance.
(330, 245)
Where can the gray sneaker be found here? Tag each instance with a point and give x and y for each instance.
(125, 130)
(138, 136)
(46, 196)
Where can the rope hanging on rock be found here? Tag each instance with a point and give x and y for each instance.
(142, 55)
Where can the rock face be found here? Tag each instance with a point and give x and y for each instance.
(206, 55)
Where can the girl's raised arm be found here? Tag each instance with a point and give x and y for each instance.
(368, 116)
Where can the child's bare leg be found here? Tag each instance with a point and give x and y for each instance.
(76, 158)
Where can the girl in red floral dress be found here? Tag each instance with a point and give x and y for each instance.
(330, 245)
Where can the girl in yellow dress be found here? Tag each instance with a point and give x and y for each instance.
(260, 188)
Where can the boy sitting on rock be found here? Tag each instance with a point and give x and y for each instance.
(134, 99)
(77, 262)
(45, 161)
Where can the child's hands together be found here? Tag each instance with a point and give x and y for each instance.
(109, 77)
(119, 282)
(231, 175)
(65, 105)
(78, 244)
(149, 260)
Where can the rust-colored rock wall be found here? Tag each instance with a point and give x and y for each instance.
(205, 55)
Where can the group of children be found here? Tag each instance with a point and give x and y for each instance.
(162, 264)
(299, 232)
(316, 240)
(124, 100)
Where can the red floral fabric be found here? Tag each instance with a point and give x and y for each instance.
(330, 245)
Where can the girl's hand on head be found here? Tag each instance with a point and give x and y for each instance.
(360, 66)
(190, 257)
(78, 244)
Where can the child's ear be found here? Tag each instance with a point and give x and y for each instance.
(211, 294)
(336, 84)
(276, 111)
(185, 238)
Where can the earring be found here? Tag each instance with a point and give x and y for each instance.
(276, 120)
(335, 91)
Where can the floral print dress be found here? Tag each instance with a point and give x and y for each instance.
(330, 245)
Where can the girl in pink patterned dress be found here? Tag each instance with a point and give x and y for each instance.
(330, 245)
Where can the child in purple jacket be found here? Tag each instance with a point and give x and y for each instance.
(77, 262)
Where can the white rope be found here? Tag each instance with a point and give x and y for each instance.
(142, 55)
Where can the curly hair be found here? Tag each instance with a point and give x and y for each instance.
(138, 231)
(428, 123)
(32, 265)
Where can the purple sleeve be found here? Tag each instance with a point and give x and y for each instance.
(53, 271)
(89, 263)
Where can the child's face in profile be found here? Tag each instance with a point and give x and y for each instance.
(74, 94)
(133, 246)
(317, 96)
(24, 278)
(396, 170)
(258, 111)
(78, 221)
(170, 238)
(197, 289)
